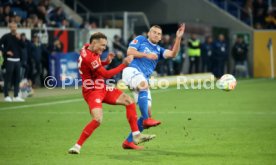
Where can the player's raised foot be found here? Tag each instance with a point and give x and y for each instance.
(150, 123)
(75, 149)
(141, 138)
(131, 146)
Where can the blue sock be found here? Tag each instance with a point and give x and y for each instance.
(143, 103)
(140, 126)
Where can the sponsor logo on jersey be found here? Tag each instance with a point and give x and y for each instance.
(134, 41)
(95, 64)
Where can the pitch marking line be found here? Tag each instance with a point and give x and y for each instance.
(62, 102)
(80, 99)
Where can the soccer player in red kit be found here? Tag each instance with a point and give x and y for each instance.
(96, 92)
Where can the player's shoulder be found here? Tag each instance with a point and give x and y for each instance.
(138, 39)
(87, 55)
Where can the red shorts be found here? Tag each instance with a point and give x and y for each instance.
(95, 98)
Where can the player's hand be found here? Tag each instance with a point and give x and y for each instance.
(152, 56)
(128, 60)
(110, 57)
(180, 31)
(10, 53)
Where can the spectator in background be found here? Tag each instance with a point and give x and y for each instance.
(42, 10)
(165, 66)
(131, 38)
(18, 20)
(194, 53)
(28, 23)
(168, 62)
(117, 60)
(37, 49)
(206, 55)
(1, 74)
(178, 61)
(93, 25)
(247, 11)
(64, 24)
(30, 7)
(259, 11)
(239, 54)
(220, 56)
(11, 45)
(118, 44)
(57, 46)
(7, 14)
(270, 19)
(26, 55)
(56, 17)
(2, 17)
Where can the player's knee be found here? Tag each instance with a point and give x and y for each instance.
(143, 85)
(128, 100)
(98, 116)
(99, 119)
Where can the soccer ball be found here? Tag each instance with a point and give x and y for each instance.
(227, 82)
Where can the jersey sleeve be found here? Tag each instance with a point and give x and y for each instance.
(110, 73)
(162, 52)
(136, 42)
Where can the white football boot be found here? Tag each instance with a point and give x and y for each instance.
(75, 149)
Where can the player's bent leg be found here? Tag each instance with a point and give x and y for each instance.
(143, 98)
(126, 100)
(97, 115)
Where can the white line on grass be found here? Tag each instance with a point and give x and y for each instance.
(80, 99)
(64, 101)
(41, 104)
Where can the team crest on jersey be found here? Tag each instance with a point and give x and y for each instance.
(134, 42)
(95, 64)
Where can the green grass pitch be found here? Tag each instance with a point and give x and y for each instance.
(198, 127)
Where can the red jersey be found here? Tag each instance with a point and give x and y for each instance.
(92, 71)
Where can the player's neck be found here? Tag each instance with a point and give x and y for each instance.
(90, 48)
(151, 42)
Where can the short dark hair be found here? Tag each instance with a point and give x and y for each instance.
(96, 36)
(156, 26)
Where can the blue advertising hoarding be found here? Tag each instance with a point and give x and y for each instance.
(64, 67)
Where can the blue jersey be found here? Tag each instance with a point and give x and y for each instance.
(145, 65)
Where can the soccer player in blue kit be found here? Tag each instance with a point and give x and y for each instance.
(146, 52)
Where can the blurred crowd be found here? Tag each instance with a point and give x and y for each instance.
(33, 14)
(264, 15)
(195, 55)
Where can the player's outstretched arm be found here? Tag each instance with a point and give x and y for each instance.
(137, 54)
(112, 72)
(179, 34)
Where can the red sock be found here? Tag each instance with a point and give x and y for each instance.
(132, 117)
(87, 131)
